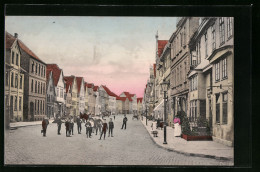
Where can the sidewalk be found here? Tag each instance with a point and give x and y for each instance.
(15, 125)
(209, 149)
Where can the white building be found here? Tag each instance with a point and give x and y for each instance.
(81, 94)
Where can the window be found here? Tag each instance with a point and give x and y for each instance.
(229, 27)
(35, 104)
(48, 98)
(43, 105)
(193, 110)
(39, 87)
(217, 71)
(206, 44)
(193, 83)
(16, 81)
(217, 109)
(39, 69)
(6, 79)
(213, 37)
(224, 108)
(32, 67)
(180, 77)
(21, 81)
(184, 36)
(38, 107)
(32, 86)
(44, 71)
(36, 68)
(20, 103)
(61, 93)
(221, 30)
(224, 68)
(12, 79)
(43, 88)
(198, 53)
(35, 87)
(12, 58)
(17, 59)
(58, 92)
(15, 103)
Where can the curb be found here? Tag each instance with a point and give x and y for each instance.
(189, 154)
(16, 127)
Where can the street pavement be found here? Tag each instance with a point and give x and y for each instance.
(132, 146)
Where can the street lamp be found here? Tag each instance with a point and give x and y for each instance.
(164, 87)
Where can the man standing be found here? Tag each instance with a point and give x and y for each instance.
(45, 123)
(111, 126)
(79, 124)
(71, 126)
(124, 122)
(59, 125)
(99, 126)
(104, 129)
(67, 126)
(88, 129)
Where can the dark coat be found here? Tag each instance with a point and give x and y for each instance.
(45, 123)
(78, 121)
(111, 124)
(125, 120)
(67, 124)
(104, 127)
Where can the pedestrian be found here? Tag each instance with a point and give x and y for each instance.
(71, 125)
(99, 126)
(45, 123)
(79, 124)
(59, 122)
(67, 126)
(91, 126)
(124, 122)
(104, 129)
(110, 128)
(88, 131)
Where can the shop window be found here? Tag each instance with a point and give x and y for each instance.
(224, 108)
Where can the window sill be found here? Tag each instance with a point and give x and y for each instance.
(217, 81)
(222, 43)
(230, 37)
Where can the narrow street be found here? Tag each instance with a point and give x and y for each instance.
(132, 146)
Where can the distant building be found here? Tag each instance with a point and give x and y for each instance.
(50, 94)
(14, 80)
(139, 105)
(59, 88)
(68, 96)
(111, 100)
(74, 110)
(98, 102)
(80, 95)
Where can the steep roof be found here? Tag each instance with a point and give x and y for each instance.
(161, 45)
(95, 88)
(48, 72)
(128, 95)
(56, 71)
(139, 100)
(79, 80)
(10, 40)
(121, 98)
(110, 93)
(69, 80)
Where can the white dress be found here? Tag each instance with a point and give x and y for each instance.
(177, 129)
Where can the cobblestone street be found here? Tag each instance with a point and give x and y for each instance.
(132, 146)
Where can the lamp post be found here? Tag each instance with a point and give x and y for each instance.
(164, 87)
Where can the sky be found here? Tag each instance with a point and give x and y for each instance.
(112, 51)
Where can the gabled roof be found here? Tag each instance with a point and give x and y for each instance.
(110, 93)
(56, 71)
(68, 80)
(161, 45)
(79, 80)
(128, 95)
(48, 72)
(139, 100)
(10, 40)
(90, 85)
(95, 88)
(121, 98)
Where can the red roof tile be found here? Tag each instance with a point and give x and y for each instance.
(95, 88)
(139, 100)
(48, 72)
(9, 40)
(161, 45)
(79, 80)
(110, 93)
(121, 98)
(68, 80)
(56, 72)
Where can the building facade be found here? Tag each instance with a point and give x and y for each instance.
(34, 102)
(14, 80)
(180, 62)
(50, 97)
(74, 110)
(139, 105)
(80, 95)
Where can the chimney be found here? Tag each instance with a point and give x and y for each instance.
(16, 35)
